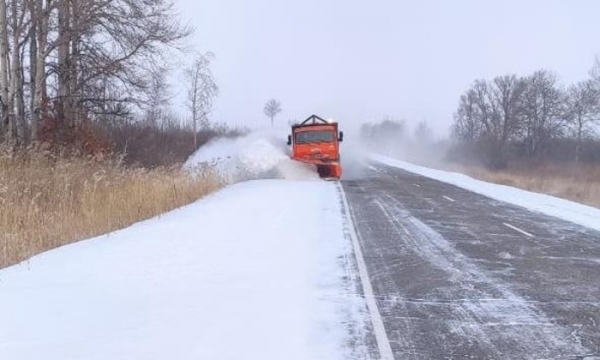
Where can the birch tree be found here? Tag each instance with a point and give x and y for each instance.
(202, 90)
(80, 58)
(63, 62)
(4, 94)
(17, 25)
(40, 12)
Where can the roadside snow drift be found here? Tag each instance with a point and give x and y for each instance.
(255, 271)
(262, 154)
(560, 208)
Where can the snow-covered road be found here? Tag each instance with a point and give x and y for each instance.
(260, 270)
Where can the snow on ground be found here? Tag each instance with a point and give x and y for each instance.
(255, 271)
(260, 154)
(564, 209)
(259, 270)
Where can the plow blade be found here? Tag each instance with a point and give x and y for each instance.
(329, 171)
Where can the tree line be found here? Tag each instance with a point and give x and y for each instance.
(532, 117)
(397, 138)
(66, 63)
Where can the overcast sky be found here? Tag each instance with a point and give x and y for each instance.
(359, 61)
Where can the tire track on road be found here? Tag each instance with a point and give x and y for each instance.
(435, 299)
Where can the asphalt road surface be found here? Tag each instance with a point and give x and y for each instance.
(456, 275)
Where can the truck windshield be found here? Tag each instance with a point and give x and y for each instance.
(306, 137)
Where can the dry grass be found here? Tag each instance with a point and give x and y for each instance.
(48, 202)
(577, 182)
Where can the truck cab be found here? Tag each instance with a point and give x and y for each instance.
(317, 141)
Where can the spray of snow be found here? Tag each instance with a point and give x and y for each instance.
(262, 154)
(353, 158)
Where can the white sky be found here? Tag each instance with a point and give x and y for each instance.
(359, 61)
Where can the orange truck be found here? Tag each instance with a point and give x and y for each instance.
(317, 141)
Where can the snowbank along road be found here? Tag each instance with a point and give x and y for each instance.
(459, 275)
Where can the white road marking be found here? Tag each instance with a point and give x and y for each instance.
(448, 198)
(417, 185)
(519, 230)
(543, 335)
(383, 343)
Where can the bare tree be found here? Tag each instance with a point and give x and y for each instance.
(140, 34)
(158, 98)
(202, 90)
(489, 113)
(595, 73)
(4, 90)
(507, 94)
(63, 69)
(467, 119)
(272, 108)
(17, 25)
(542, 110)
(582, 110)
(64, 62)
(40, 15)
(487, 110)
(33, 52)
(534, 117)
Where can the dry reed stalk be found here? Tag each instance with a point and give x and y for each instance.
(47, 202)
(577, 182)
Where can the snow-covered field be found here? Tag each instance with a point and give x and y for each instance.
(564, 209)
(256, 271)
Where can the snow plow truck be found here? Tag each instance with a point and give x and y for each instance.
(317, 141)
